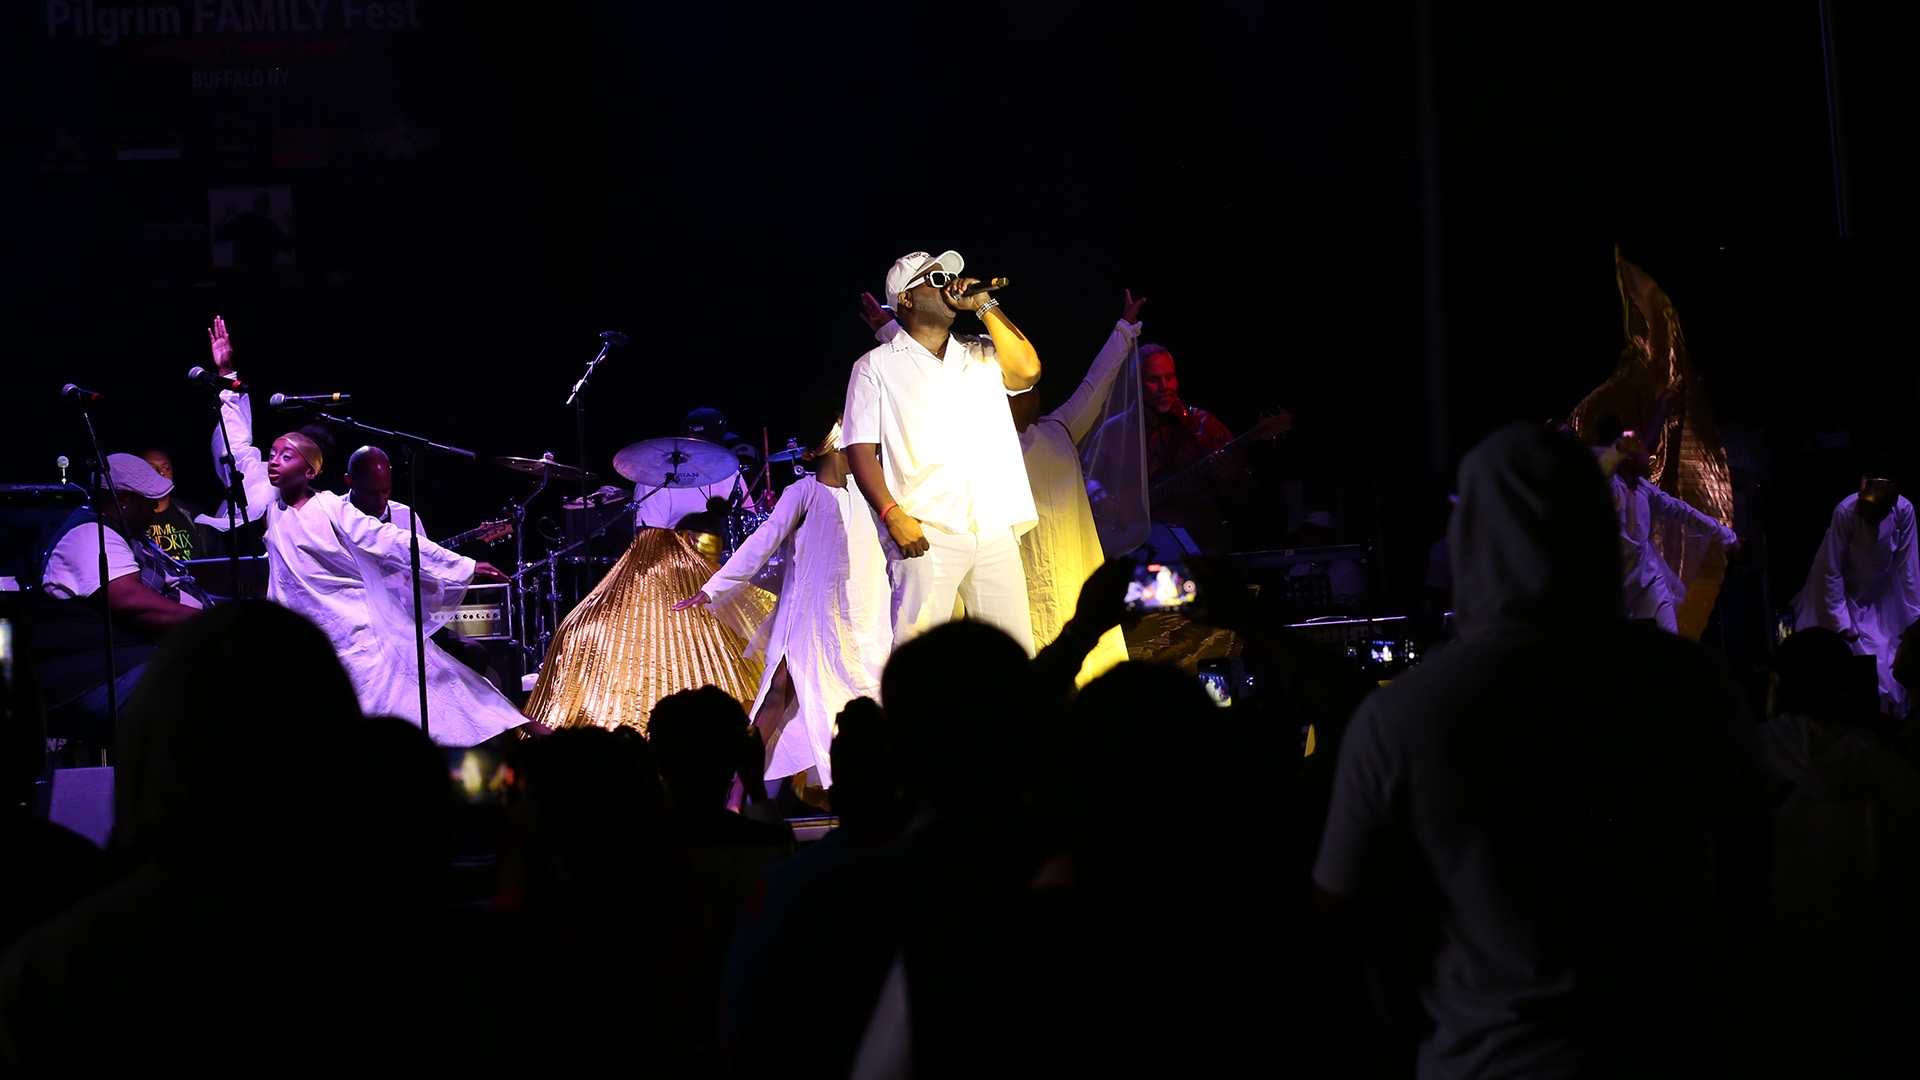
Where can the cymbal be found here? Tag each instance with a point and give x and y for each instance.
(786, 455)
(552, 469)
(676, 463)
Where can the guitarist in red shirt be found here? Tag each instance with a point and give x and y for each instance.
(1195, 478)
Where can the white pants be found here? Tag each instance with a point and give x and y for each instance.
(982, 569)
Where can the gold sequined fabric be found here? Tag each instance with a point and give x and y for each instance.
(624, 648)
(1654, 391)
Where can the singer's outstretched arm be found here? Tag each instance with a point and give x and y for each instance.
(1019, 363)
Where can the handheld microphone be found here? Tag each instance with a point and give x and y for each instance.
(77, 394)
(216, 381)
(292, 401)
(989, 285)
(614, 337)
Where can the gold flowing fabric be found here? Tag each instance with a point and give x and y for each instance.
(623, 648)
(1689, 460)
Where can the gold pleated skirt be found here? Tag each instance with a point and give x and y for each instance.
(624, 648)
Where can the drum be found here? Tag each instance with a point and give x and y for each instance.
(741, 522)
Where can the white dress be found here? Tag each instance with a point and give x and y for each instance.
(831, 625)
(350, 574)
(1651, 588)
(1866, 579)
(1062, 550)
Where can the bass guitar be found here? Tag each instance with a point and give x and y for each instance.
(1271, 426)
(487, 532)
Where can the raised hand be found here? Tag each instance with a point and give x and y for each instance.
(699, 599)
(1130, 309)
(872, 313)
(1103, 598)
(221, 345)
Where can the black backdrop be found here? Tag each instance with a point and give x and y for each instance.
(477, 189)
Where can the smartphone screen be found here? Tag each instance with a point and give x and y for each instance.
(1215, 684)
(1372, 653)
(1158, 585)
(478, 776)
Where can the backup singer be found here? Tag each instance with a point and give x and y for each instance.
(931, 445)
(370, 480)
(350, 574)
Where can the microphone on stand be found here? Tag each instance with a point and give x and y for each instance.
(62, 463)
(614, 337)
(77, 394)
(989, 285)
(213, 380)
(294, 401)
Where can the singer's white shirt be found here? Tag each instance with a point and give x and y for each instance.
(947, 443)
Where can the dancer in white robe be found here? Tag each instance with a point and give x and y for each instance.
(351, 576)
(1063, 549)
(1652, 588)
(830, 633)
(1865, 582)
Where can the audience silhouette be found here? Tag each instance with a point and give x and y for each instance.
(250, 927)
(1561, 846)
(1557, 807)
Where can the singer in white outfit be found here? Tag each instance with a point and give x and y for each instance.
(1062, 550)
(351, 575)
(829, 637)
(932, 447)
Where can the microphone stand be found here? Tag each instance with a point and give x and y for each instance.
(578, 399)
(106, 598)
(236, 501)
(518, 609)
(411, 444)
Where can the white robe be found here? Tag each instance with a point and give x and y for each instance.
(831, 625)
(1866, 579)
(1062, 550)
(351, 576)
(1651, 588)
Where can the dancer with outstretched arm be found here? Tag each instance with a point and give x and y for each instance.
(350, 574)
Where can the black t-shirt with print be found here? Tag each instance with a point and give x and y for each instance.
(174, 532)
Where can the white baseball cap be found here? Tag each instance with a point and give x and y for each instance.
(908, 267)
(134, 474)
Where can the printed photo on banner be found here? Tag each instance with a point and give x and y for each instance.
(251, 226)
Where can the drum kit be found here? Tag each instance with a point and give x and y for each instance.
(565, 574)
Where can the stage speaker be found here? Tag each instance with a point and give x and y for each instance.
(82, 800)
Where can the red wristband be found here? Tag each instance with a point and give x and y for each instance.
(890, 506)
